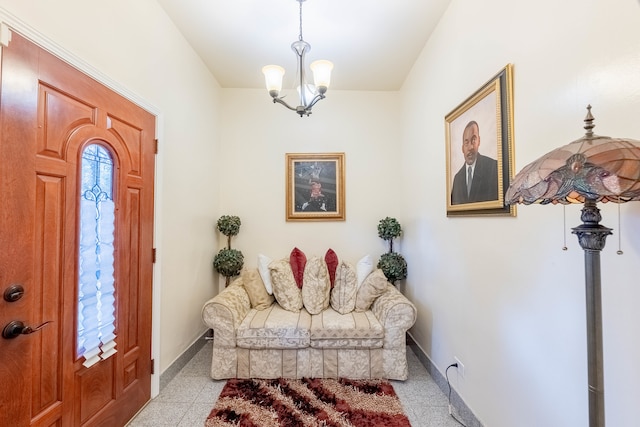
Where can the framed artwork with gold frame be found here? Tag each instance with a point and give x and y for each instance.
(315, 187)
(479, 146)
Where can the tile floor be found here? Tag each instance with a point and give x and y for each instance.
(189, 397)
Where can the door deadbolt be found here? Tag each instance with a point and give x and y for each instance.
(13, 293)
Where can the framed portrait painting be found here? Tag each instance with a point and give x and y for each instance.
(479, 146)
(315, 187)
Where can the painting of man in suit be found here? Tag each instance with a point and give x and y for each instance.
(479, 148)
(477, 179)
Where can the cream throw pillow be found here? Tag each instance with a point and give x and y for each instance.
(260, 299)
(343, 294)
(284, 285)
(316, 286)
(373, 286)
(364, 267)
(263, 269)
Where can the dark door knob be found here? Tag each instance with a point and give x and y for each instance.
(13, 293)
(16, 328)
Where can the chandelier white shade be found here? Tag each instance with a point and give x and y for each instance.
(312, 93)
(273, 75)
(322, 74)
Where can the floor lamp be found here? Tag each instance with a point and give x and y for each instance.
(589, 170)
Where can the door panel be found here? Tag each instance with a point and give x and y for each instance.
(49, 112)
(47, 295)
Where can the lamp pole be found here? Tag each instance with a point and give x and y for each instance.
(592, 237)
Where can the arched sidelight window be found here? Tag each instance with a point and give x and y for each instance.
(96, 281)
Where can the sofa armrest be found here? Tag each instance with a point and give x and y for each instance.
(397, 314)
(394, 310)
(224, 313)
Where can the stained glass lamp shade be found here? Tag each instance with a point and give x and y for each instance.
(589, 170)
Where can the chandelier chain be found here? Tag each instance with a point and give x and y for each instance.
(300, 36)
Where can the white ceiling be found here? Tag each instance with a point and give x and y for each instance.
(372, 43)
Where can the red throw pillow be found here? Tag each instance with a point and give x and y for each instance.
(332, 264)
(298, 260)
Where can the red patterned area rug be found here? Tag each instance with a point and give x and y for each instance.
(307, 403)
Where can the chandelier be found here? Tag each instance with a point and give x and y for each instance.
(309, 94)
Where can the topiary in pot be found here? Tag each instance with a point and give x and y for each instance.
(228, 262)
(392, 264)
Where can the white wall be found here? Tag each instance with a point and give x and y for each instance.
(135, 45)
(256, 136)
(499, 293)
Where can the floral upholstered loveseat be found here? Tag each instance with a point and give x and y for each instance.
(305, 327)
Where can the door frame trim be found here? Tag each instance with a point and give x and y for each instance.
(30, 33)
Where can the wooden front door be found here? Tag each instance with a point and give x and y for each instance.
(49, 113)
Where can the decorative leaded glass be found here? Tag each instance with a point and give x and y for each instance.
(96, 290)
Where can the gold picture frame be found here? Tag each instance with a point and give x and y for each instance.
(479, 136)
(315, 187)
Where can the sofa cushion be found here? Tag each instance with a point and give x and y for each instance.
(316, 289)
(274, 328)
(298, 260)
(284, 285)
(373, 286)
(330, 329)
(343, 294)
(258, 295)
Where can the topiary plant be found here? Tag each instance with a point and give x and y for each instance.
(228, 262)
(229, 225)
(392, 264)
(389, 229)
